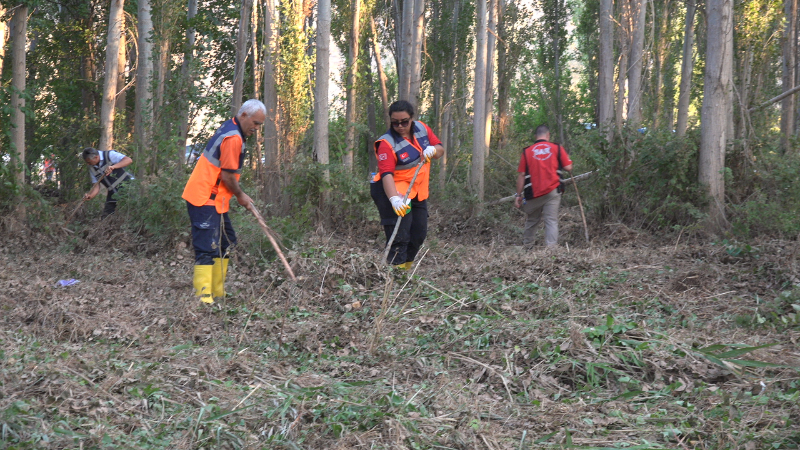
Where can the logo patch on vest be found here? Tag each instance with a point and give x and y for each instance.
(383, 157)
(404, 155)
(542, 152)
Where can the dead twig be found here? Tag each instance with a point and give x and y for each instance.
(272, 240)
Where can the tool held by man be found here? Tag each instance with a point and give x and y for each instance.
(580, 204)
(272, 240)
(82, 201)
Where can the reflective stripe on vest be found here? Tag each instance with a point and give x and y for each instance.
(111, 182)
(212, 151)
(401, 146)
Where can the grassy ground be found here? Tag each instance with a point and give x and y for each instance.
(631, 342)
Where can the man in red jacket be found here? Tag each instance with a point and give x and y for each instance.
(538, 194)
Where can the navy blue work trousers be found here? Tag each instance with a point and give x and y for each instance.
(413, 227)
(212, 234)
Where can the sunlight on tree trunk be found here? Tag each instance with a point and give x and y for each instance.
(186, 76)
(417, 39)
(322, 76)
(115, 27)
(605, 79)
(789, 70)
(122, 63)
(635, 63)
(405, 50)
(271, 174)
(143, 110)
(381, 74)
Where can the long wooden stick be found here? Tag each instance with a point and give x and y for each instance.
(83, 200)
(399, 219)
(580, 204)
(272, 240)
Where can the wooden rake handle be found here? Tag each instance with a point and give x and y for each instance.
(272, 240)
(399, 219)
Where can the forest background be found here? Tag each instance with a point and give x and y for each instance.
(675, 326)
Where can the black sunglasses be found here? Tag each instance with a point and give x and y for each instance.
(402, 123)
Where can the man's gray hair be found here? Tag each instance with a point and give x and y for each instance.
(251, 106)
(89, 152)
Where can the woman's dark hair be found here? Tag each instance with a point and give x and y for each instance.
(401, 106)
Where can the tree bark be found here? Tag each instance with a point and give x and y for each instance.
(3, 37)
(122, 64)
(350, 107)
(479, 104)
(271, 149)
(322, 76)
(716, 108)
(687, 67)
(241, 56)
(789, 69)
(186, 75)
(405, 50)
(143, 110)
(19, 37)
(622, 73)
(417, 41)
(381, 74)
(635, 63)
(605, 76)
(115, 24)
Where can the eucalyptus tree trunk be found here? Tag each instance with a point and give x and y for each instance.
(714, 134)
(322, 77)
(162, 70)
(271, 172)
(122, 63)
(491, 45)
(3, 36)
(381, 74)
(418, 38)
(623, 13)
(19, 37)
(687, 67)
(635, 63)
(503, 77)
(255, 154)
(405, 51)
(143, 110)
(479, 143)
(447, 128)
(789, 71)
(350, 107)
(661, 59)
(605, 75)
(241, 56)
(115, 25)
(186, 76)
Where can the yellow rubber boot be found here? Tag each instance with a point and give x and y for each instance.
(203, 276)
(407, 265)
(218, 282)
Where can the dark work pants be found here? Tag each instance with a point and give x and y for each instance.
(212, 233)
(110, 206)
(413, 227)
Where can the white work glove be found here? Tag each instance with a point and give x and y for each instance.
(401, 207)
(429, 152)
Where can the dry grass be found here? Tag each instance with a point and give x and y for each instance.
(487, 345)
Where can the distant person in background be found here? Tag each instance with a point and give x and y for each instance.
(49, 168)
(107, 167)
(399, 152)
(538, 194)
(214, 181)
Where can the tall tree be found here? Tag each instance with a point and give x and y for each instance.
(789, 69)
(187, 78)
(3, 36)
(122, 64)
(623, 33)
(479, 144)
(687, 67)
(637, 13)
(321, 77)
(19, 39)
(605, 76)
(115, 27)
(405, 49)
(143, 110)
(417, 41)
(241, 56)
(376, 51)
(350, 108)
(491, 45)
(271, 26)
(716, 110)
